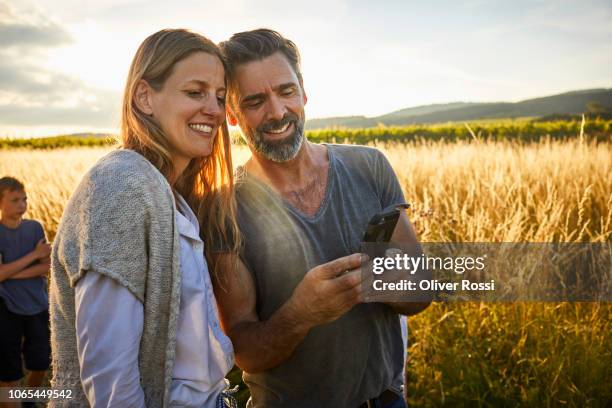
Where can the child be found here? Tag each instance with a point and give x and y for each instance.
(24, 315)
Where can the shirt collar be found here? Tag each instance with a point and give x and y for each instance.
(187, 221)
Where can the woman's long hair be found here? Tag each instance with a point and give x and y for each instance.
(207, 184)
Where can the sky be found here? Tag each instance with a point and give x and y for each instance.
(63, 63)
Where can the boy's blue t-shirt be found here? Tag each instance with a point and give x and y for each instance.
(22, 296)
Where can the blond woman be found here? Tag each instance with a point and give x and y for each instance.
(133, 316)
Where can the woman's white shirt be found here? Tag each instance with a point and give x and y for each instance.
(204, 354)
(109, 326)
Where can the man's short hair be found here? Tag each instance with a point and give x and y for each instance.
(10, 184)
(256, 45)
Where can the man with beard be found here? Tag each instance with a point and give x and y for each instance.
(292, 302)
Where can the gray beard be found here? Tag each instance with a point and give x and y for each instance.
(279, 151)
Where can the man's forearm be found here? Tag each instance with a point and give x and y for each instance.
(417, 304)
(8, 270)
(408, 308)
(32, 271)
(259, 346)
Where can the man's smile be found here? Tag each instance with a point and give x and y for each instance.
(281, 132)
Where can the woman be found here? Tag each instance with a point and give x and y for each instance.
(133, 316)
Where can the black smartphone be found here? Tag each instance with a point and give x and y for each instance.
(381, 227)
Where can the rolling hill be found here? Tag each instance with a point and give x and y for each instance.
(573, 103)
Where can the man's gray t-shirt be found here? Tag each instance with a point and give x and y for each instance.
(358, 356)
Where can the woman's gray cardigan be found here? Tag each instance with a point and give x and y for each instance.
(119, 222)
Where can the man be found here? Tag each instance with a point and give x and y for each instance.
(293, 305)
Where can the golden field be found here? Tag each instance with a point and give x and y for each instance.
(480, 354)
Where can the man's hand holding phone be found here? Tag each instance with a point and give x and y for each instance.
(329, 290)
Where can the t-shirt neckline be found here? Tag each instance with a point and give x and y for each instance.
(326, 198)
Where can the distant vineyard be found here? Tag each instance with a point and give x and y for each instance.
(523, 131)
(57, 142)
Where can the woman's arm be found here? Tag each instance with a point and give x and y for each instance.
(109, 322)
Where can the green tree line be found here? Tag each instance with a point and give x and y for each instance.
(522, 131)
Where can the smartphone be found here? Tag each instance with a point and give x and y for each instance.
(381, 227)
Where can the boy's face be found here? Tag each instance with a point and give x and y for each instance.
(13, 204)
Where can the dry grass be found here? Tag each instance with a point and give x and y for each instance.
(500, 192)
(525, 354)
(50, 177)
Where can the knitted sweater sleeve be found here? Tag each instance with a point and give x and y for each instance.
(106, 226)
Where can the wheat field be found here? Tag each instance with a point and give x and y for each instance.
(476, 354)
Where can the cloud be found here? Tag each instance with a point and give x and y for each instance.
(30, 28)
(35, 82)
(15, 34)
(34, 95)
(96, 114)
